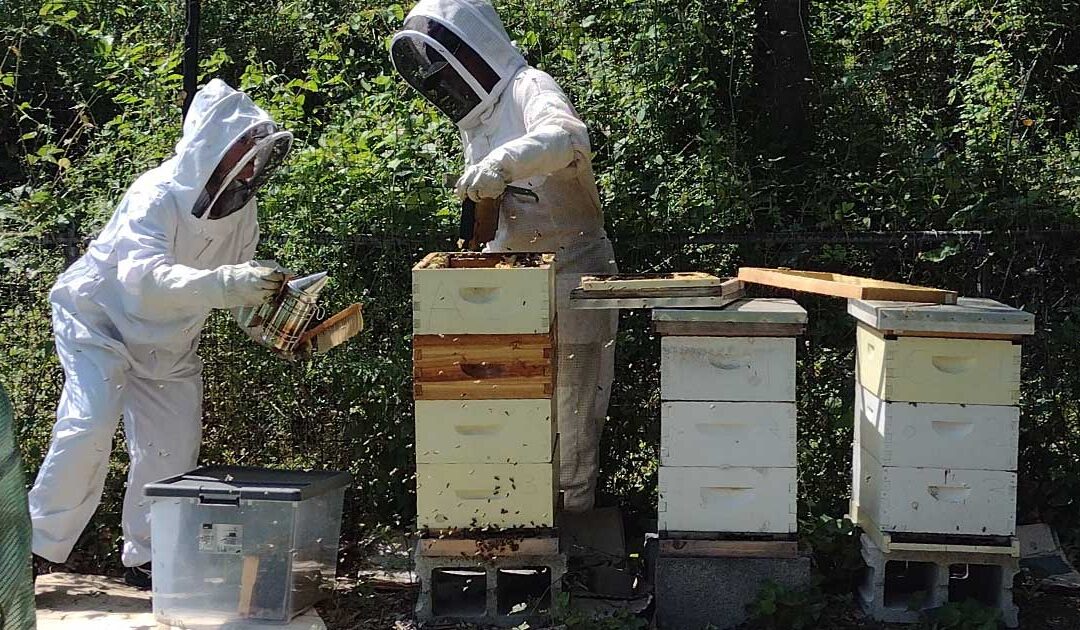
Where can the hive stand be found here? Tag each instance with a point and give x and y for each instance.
(935, 452)
(727, 514)
(499, 580)
(897, 587)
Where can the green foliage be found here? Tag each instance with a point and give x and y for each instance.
(966, 615)
(563, 614)
(779, 608)
(835, 545)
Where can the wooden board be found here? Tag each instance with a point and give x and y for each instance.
(711, 329)
(477, 367)
(657, 285)
(501, 546)
(728, 549)
(839, 285)
(580, 301)
(341, 327)
(969, 317)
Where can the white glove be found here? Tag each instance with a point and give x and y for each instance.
(250, 283)
(484, 180)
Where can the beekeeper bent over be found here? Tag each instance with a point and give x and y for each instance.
(518, 127)
(127, 317)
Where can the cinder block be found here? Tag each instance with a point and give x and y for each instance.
(496, 591)
(934, 435)
(728, 368)
(897, 587)
(700, 593)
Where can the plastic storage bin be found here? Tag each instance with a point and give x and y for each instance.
(235, 543)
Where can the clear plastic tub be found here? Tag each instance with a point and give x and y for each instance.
(243, 544)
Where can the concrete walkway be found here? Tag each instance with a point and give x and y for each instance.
(93, 602)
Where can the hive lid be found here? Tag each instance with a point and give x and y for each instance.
(967, 316)
(747, 311)
(262, 484)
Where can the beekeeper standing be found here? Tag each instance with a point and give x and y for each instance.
(518, 127)
(127, 317)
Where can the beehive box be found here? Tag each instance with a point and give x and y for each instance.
(481, 367)
(703, 433)
(938, 370)
(931, 435)
(728, 368)
(934, 500)
(477, 495)
(712, 499)
(471, 293)
(484, 431)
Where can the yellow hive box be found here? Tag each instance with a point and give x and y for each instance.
(491, 294)
(484, 431)
(468, 496)
(938, 370)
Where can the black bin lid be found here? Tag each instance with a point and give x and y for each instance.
(263, 484)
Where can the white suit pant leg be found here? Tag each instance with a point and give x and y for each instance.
(163, 425)
(585, 372)
(69, 485)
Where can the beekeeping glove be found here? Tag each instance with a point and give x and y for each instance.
(250, 283)
(483, 180)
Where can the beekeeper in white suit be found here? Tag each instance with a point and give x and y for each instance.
(127, 318)
(518, 127)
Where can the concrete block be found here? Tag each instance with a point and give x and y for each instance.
(498, 591)
(700, 593)
(898, 586)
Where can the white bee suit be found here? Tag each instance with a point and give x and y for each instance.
(525, 132)
(127, 317)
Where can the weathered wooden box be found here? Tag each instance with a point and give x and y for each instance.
(479, 367)
(485, 431)
(934, 500)
(938, 370)
(728, 368)
(712, 499)
(472, 293)
(473, 495)
(703, 433)
(933, 435)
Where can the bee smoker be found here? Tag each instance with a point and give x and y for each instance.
(286, 317)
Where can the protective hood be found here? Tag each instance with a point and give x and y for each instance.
(219, 116)
(458, 55)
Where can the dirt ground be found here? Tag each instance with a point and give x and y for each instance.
(382, 605)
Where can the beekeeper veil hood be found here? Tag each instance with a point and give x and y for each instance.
(457, 54)
(229, 149)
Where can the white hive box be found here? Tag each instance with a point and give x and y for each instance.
(976, 437)
(468, 496)
(727, 368)
(938, 370)
(744, 311)
(489, 294)
(934, 500)
(484, 431)
(703, 433)
(711, 499)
